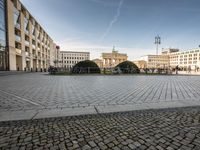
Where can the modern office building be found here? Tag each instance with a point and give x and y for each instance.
(186, 59)
(69, 58)
(24, 43)
(111, 60)
(172, 58)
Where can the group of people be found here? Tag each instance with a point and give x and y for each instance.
(188, 69)
(52, 70)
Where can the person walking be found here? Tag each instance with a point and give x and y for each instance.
(176, 69)
(189, 69)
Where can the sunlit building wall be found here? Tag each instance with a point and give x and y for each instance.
(186, 59)
(29, 45)
(156, 61)
(112, 59)
(69, 58)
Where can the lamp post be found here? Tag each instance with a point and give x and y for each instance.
(157, 42)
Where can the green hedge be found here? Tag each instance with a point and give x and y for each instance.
(86, 67)
(127, 67)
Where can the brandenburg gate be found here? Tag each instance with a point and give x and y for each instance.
(111, 60)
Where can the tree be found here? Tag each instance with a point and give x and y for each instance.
(127, 67)
(86, 66)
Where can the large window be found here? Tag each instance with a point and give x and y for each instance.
(26, 24)
(2, 25)
(3, 50)
(2, 39)
(16, 17)
(2, 19)
(33, 29)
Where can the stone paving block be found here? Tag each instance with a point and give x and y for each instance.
(51, 96)
(148, 127)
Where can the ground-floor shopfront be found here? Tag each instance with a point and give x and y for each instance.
(3, 59)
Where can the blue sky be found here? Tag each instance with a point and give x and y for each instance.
(129, 25)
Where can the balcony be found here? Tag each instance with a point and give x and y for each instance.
(26, 32)
(33, 46)
(17, 38)
(38, 49)
(27, 43)
(34, 56)
(18, 51)
(27, 54)
(17, 25)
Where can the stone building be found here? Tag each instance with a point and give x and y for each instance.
(99, 62)
(142, 64)
(55, 55)
(186, 59)
(24, 44)
(69, 58)
(156, 61)
(111, 60)
(170, 58)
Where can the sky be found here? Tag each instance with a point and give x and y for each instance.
(129, 25)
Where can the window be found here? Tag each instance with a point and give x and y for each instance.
(2, 19)
(2, 4)
(2, 15)
(33, 42)
(2, 38)
(26, 24)
(16, 17)
(33, 30)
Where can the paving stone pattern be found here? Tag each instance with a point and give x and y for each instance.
(38, 91)
(164, 129)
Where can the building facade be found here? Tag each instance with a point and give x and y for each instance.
(142, 64)
(111, 60)
(99, 62)
(69, 58)
(173, 58)
(156, 61)
(55, 55)
(186, 59)
(27, 45)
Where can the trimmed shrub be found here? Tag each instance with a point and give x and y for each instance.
(127, 67)
(86, 67)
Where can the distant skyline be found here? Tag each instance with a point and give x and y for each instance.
(129, 25)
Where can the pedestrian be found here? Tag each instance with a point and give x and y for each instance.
(176, 69)
(189, 69)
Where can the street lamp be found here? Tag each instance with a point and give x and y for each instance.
(157, 42)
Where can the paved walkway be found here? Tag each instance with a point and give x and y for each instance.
(36, 95)
(167, 129)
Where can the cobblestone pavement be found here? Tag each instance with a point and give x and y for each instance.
(38, 91)
(164, 129)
